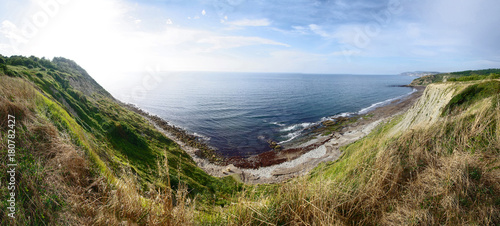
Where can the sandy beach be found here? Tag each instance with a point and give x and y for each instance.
(278, 166)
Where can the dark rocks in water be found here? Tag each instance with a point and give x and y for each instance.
(274, 145)
(329, 123)
(336, 121)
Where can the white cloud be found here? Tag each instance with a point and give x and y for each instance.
(251, 23)
(137, 21)
(227, 42)
(169, 22)
(300, 29)
(319, 31)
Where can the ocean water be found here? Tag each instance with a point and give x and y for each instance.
(238, 112)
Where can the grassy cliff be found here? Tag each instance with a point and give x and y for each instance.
(84, 158)
(436, 164)
(457, 76)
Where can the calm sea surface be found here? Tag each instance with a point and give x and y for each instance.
(238, 112)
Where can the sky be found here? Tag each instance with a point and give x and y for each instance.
(111, 37)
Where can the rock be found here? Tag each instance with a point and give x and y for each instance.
(231, 169)
(329, 123)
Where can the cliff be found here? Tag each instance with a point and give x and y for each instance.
(83, 158)
(436, 164)
(427, 110)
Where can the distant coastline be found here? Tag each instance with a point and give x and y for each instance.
(419, 73)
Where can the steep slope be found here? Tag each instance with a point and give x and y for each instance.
(429, 166)
(428, 108)
(85, 158)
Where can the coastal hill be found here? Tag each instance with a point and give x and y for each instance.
(418, 73)
(84, 158)
(457, 76)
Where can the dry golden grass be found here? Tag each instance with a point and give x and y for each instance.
(125, 205)
(54, 172)
(446, 174)
(59, 170)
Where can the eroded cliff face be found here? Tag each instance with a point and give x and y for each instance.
(428, 108)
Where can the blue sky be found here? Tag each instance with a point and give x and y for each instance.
(109, 37)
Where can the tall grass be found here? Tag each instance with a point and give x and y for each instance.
(50, 170)
(126, 205)
(58, 185)
(446, 174)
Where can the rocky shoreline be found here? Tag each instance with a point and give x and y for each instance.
(320, 145)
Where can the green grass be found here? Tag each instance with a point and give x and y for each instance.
(358, 153)
(441, 174)
(470, 95)
(112, 138)
(477, 72)
(474, 78)
(84, 155)
(470, 75)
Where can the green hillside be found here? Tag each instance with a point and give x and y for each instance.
(72, 136)
(83, 158)
(469, 75)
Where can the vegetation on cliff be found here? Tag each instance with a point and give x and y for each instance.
(413, 170)
(85, 158)
(81, 153)
(457, 76)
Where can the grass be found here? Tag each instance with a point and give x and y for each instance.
(38, 154)
(471, 75)
(444, 174)
(86, 159)
(474, 78)
(471, 94)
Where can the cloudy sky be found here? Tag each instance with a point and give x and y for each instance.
(109, 37)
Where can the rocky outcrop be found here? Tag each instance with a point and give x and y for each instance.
(428, 108)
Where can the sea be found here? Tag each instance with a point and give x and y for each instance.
(237, 113)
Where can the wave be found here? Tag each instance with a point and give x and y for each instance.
(291, 136)
(383, 103)
(297, 126)
(345, 114)
(294, 131)
(202, 137)
(278, 124)
(297, 129)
